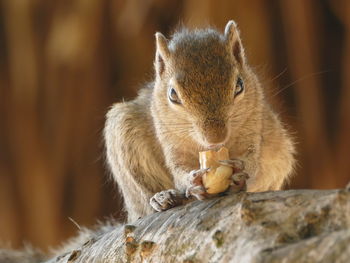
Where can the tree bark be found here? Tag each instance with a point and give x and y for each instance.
(283, 226)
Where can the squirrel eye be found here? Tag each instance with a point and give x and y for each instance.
(239, 86)
(173, 97)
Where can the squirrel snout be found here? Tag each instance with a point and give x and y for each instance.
(216, 137)
(215, 132)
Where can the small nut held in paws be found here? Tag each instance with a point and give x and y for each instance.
(219, 178)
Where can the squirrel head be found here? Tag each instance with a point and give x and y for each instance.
(203, 86)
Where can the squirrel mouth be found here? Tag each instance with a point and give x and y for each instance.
(215, 147)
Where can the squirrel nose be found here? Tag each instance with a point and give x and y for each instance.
(217, 139)
(215, 132)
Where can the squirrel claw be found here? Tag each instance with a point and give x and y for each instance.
(196, 176)
(199, 172)
(196, 188)
(196, 191)
(167, 199)
(239, 182)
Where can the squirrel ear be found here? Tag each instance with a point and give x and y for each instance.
(234, 42)
(162, 53)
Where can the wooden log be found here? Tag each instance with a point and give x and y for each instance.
(284, 226)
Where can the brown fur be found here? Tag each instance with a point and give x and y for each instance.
(152, 144)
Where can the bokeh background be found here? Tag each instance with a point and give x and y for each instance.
(64, 62)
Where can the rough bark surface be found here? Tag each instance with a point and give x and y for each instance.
(284, 226)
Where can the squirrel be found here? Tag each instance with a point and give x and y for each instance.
(204, 96)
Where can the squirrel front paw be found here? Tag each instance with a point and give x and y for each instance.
(236, 164)
(196, 188)
(235, 183)
(167, 199)
(239, 182)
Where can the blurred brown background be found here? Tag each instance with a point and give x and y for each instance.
(63, 63)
